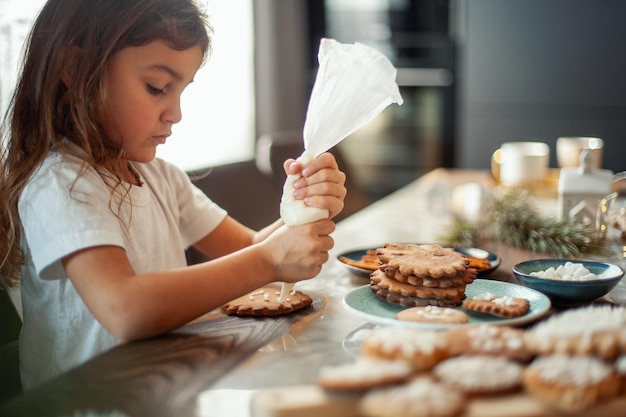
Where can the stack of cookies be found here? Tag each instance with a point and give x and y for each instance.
(421, 275)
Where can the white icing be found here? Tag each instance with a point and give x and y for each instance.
(422, 396)
(480, 372)
(408, 342)
(580, 322)
(435, 312)
(567, 370)
(285, 289)
(503, 300)
(366, 369)
(487, 338)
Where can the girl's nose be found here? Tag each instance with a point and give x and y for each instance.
(172, 114)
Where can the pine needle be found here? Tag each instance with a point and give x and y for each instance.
(512, 220)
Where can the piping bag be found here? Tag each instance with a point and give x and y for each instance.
(354, 83)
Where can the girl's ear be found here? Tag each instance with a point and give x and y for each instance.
(67, 74)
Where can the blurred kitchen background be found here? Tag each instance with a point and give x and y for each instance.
(473, 74)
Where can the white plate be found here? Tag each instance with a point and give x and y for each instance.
(362, 302)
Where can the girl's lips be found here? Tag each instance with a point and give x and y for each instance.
(160, 139)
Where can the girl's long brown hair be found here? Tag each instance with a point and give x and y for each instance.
(76, 39)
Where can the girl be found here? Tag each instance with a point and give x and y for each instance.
(95, 225)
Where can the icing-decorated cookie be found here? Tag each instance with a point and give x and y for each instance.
(433, 314)
(422, 397)
(264, 302)
(364, 374)
(571, 383)
(500, 306)
(422, 348)
(480, 374)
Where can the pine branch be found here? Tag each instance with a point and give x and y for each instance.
(512, 220)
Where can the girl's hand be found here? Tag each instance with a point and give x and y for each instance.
(321, 185)
(298, 252)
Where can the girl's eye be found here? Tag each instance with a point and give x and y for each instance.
(154, 90)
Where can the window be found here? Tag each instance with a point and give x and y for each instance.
(218, 108)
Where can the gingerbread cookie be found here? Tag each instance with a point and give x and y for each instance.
(571, 383)
(422, 260)
(407, 301)
(487, 339)
(500, 306)
(463, 279)
(422, 348)
(264, 302)
(364, 374)
(592, 330)
(422, 397)
(380, 279)
(480, 374)
(433, 314)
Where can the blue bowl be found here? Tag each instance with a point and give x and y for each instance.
(567, 293)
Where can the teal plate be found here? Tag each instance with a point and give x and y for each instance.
(362, 302)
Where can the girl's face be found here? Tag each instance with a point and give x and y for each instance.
(143, 90)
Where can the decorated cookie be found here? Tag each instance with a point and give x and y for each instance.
(433, 314)
(364, 374)
(498, 305)
(422, 348)
(571, 383)
(264, 302)
(595, 329)
(422, 397)
(480, 374)
(488, 339)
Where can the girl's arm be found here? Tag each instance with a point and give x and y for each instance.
(133, 306)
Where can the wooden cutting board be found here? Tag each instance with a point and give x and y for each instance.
(312, 401)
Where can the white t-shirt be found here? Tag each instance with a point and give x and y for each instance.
(61, 214)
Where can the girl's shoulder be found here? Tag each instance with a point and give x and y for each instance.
(61, 164)
(62, 179)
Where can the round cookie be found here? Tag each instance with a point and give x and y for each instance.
(571, 383)
(596, 329)
(499, 306)
(422, 397)
(422, 260)
(364, 374)
(433, 314)
(381, 279)
(488, 339)
(422, 348)
(407, 301)
(264, 302)
(480, 374)
(462, 279)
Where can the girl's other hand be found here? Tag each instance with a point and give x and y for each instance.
(321, 184)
